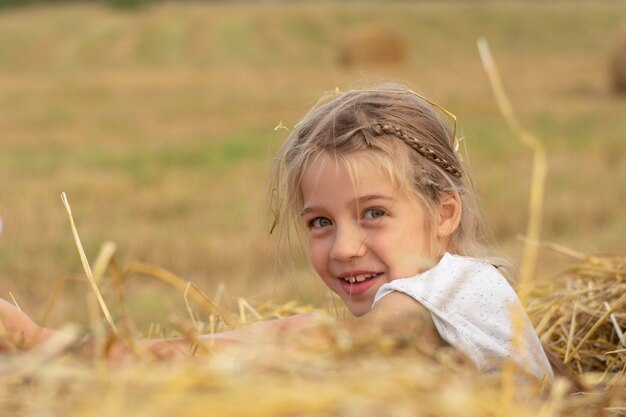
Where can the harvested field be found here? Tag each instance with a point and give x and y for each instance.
(126, 107)
(159, 124)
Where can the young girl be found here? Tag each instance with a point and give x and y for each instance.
(374, 180)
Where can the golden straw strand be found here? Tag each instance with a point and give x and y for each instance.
(618, 330)
(56, 291)
(595, 327)
(165, 276)
(194, 322)
(530, 252)
(107, 252)
(570, 334)
(243, 306)
(540, 167)
(87, 268)
(15, 301)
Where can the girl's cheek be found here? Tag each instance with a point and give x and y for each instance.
(316, 255)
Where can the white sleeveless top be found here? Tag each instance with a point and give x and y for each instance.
(472, 306)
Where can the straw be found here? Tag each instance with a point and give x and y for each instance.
(87, 268)
(530, 253)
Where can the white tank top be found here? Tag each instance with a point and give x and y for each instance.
(472, 306)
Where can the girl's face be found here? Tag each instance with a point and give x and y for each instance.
(363, 232)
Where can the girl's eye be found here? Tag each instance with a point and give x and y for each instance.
(319, 222)
(373, 213)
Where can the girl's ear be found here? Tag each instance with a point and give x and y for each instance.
(449, 214)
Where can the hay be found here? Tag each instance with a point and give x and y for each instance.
(581, 314)
(371, 46)
(344, 375)
(617, 62)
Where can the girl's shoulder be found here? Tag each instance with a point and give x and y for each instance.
(452, 259)
(454, 278)
(456, 267)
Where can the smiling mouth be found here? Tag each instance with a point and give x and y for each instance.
(360, 277)
(357, 284)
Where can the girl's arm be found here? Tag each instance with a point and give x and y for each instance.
(268, 332)
(396, 314)
(18, 329)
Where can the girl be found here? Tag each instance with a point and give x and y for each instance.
(374, 180)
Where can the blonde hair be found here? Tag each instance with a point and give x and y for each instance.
(404, 134)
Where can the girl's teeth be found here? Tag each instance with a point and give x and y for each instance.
(359, 278)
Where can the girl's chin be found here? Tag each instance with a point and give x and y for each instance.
(358, 309)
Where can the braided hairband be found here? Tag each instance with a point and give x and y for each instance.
(380, 129)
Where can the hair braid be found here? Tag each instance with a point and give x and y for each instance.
(380, 129)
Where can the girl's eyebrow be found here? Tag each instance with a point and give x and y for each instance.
(307, 210)
(370, 197)
(359, 201)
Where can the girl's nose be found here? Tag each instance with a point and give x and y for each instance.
(349, 243)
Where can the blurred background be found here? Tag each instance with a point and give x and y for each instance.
(157, 120)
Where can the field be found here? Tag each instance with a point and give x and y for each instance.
(159, 126)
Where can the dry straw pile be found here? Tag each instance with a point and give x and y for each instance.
(580, 314)
(371, 46)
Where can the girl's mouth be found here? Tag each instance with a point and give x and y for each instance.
(358, 284)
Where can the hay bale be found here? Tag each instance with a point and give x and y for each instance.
(371, 46)
(618, 62)
(582, 315)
